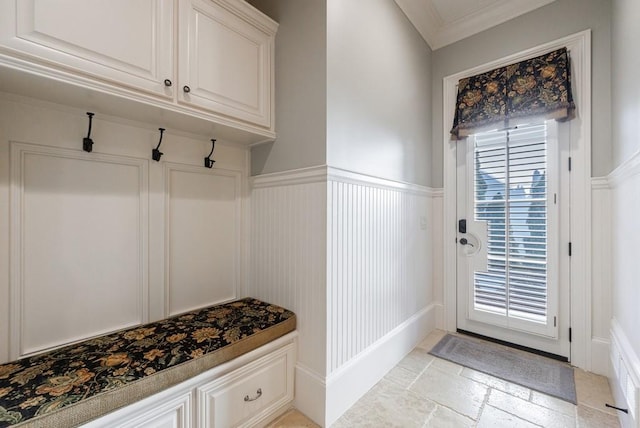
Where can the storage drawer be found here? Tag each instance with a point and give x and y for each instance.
(173, 414)
(249, 394)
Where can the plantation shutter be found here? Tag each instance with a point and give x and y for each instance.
(510, 190)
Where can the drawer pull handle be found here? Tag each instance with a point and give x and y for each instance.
(258, 395)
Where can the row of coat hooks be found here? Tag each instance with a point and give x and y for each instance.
(156, 154)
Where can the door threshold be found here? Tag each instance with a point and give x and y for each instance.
(515, 346)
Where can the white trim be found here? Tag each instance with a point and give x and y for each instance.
(624, 171)
(322, 173)
(138, 104)
(579, 46)
(314, 174)
(438, 33)
(625, 375)
(600, 183)
(351, 381)
(601, 274)
(600, 351)
(309, 395)
(347, 176)
(113, 119)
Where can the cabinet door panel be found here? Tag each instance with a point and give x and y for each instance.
(250, 394)
(123, 41)
(225, 62)
(172, 413)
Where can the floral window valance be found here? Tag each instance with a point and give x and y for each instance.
(539, 86)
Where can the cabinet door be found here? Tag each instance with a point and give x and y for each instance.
(121, 41)
(173, 413)
(249, 395)
(226, 59)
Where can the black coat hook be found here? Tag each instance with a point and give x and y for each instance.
(156, 154)
(87, 142)
(208, 162)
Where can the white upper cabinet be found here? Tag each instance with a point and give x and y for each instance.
(121, 41)
(171, 60)
(225, 65)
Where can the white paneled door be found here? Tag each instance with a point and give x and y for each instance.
(512, 269)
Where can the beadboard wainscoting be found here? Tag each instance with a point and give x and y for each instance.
(625, 271)
(95, 242)
(625, 376)
(288, 267)
(352, 255)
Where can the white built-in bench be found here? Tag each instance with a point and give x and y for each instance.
(227, 365)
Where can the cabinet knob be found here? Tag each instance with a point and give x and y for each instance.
(167, 82)
(186, 89)
(254, 398)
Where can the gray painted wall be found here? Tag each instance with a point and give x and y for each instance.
(378, 92)
(551, 22)
(301, 76)
(353, 90)
(625, 87)
(625, 121)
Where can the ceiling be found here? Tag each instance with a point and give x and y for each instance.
(442, 22)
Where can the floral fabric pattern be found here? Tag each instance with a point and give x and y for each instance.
(43, 383)
(535, 87)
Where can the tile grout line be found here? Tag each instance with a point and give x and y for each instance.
(426, 423)
(421, 372)
(485, 400)
(527, 420)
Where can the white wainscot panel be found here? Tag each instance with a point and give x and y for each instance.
(379, 264)
(78, 245)
(203, 236)
(288, 235)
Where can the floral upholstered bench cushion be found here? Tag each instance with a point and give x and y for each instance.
(77, 383)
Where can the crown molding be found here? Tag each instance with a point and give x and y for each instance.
(438, 33)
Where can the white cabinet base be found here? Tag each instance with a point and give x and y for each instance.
(243, 396)
(225, 396)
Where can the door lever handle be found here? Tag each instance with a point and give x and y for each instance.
(464, 241)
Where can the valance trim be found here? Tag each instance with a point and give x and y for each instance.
(536, 87)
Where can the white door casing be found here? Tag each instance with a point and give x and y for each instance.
(579, 47)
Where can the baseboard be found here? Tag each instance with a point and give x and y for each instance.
(439, 315)
(346, 385)
(309, 394)
(600, 352)
(625, 376)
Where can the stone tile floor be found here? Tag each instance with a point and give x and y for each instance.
(426, 391)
